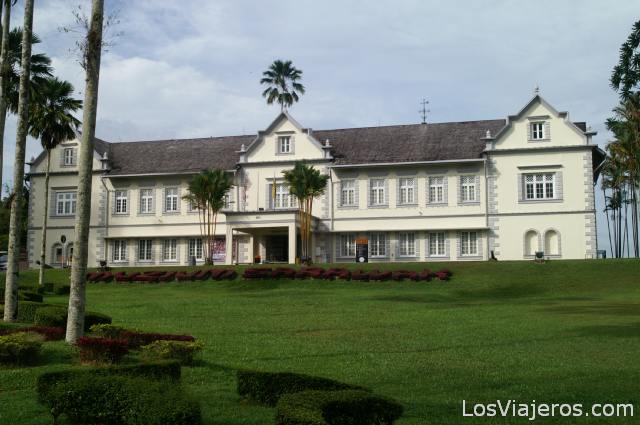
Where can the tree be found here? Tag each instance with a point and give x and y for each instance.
(91, 64)
(625, 77)
(4, 53)
(52, 122)
(207, 193)
(283, 86)
(305, 183)
(11, 284)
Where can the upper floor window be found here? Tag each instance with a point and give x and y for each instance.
(407, 188)
(437, 244)
(436, 190)
(145, 247)
(537, 130)
(195, 249)
(348, 193)
(171, 200)
(378, 244)
(170, 250)
(121, 206)
(407, 244)
(468, 188)
(69, 156)
(119, 250)
(284, 144)
(377, 195)
(347, 245)
(146, 201)
(539, 186)
(283, 198)
(469, 243)
(66, 203)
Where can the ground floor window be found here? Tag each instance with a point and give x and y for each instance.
(469, 243)
(144, 250)
(195, 249)
(119, 250)
(437, 244)
(378, 244)
(347, 245)
(407, 244)
(170, 250)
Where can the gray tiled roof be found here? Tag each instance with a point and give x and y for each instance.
(399, 143)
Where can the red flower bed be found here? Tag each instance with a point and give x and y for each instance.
(167, 277)
(49, 333)
(229, 275)
(146, 278)
(101, 350)
(185, 276)
(360, 275)
(201, 275)
(257, 273)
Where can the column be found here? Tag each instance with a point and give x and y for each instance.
(228, 259)
(292, 244)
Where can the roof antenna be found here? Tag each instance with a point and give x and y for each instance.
(424, 111)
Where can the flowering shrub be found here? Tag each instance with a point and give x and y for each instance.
(49, 333)
(20, 347)
(101, 350)
(182, 351)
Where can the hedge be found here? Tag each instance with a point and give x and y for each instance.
(53, 316)
(20, 348)
(134, 338)
(49, 333)
(336, 408)
(101, 350)
(183, 351)
(268, 387)
(116, 399)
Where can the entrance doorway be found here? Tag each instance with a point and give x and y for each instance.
(277, 248)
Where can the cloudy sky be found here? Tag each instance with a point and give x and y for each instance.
(191, 68)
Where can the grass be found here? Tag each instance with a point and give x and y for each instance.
(565, 331)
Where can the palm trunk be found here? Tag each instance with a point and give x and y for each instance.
(75, 320)
(11, 284)
(215, 222)
(4, 52)
(43, 247)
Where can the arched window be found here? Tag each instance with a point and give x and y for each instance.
(530, 242)
(57, 254)
(552, 242)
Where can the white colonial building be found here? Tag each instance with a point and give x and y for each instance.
(424, 192)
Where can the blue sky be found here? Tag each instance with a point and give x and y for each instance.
(191, 68)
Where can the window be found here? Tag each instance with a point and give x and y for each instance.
(347, 245)
(407, 244)
(284, 144)
(469, 243)
(195, 249)
(283, 198)
(378, 245)
(468, 188)
(68, 156)
(119, 250)
(407, 189)
(57, 254)
(348, 193)
(437, 246)
(146, 201)
(171, 199)
(121, 202)
(436, 190)
(377, 192)
(66, 203)
(227, 200)
(539, 186)
(170, 250)
(537, 130)
(145, 250)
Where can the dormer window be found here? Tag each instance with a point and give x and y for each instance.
(68, 157)
(284, 144)
(537, 130)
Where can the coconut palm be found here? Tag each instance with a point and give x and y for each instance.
(283, 84)
(52, 122)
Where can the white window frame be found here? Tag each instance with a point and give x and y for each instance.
(170, 250)
(377, 192)
(347, 245)
(284, 199)
(537, 130)
(406, 244)
(348, 193)
(407, 188)
(468, 189)
(437, 244)
(285, 145)
(469, 244)
(66, 203)
(120, 252)
(145, 250)
(121, 202)
(378, 245)
(171, 200)
(146, 201)
(539, 186)
(196, 248)
(68, 156)
(436, 190)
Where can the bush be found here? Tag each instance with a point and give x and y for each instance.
(101, 350)
(62, 290)
(49, 333)
(51, 316)
(114, 399)
(27, 310)
(108, 331)
(134, 338)
(336, 408)
(92, 318)
(29, 296)
(182, 351)
(19, 348)
(268, 387)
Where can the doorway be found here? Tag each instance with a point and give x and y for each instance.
(277, 249)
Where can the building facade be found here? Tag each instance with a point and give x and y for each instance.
(471, 190)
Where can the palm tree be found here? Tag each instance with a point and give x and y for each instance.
(4, 68)
(283, 86)
(11, 284)
(40, 71)
(52, 122)
(91, 63)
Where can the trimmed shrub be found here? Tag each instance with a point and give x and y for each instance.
(92, 318)
(336, 408)
(51, 316)
(268, 387)
(183, 351)
(27, 310)
(108, 331)
(49, 333)
(62, 290)
(20, 348)
(101, 350)
(113, 399)
(136, 339)
(29, 296)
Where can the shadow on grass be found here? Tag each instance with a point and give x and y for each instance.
(631, 330)
(622, 309)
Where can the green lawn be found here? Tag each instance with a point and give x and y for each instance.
(565, 331)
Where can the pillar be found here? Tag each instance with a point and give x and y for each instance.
(228, 244)
(292, 243)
